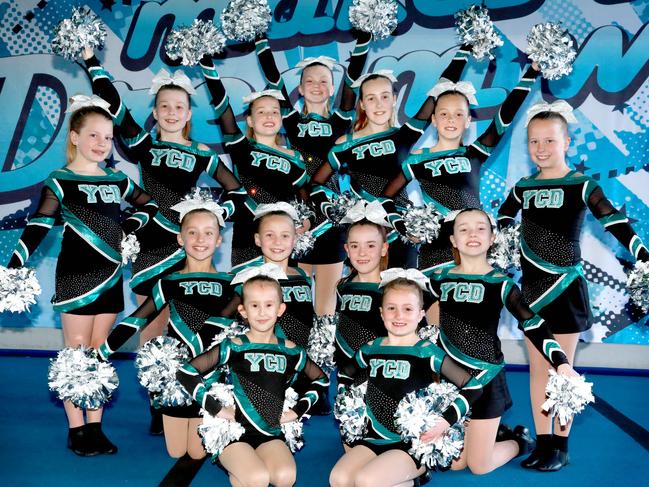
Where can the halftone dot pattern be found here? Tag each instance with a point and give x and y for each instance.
(636, 144)
(49, 17)
(570, 16)
(638, 105)
(492, 190)
(38, 132)
(50, 103)
(28, 40)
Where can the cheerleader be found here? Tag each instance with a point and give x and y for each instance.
(449, 172)
(312, 131)
(202, 304)
(269, 171)
(381, 457)
(88, 291)
(374, 151)
(472, 296)
(262, 366)
(553, 203)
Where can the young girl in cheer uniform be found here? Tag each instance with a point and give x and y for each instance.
(381, 457)
(472, 296)
(262, 366)
(87, 197)
(553, 202)
(313, 131)
(202, 304)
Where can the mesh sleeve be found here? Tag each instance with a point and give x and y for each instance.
(192, 374)
(146, 208)
(470, 389)
(103, 87)
(391, 190)
(271, 73)
(313, 391)
(616, 223)
(235, 194)
(220, 101)
(509, 209)
(534, 327)
(354, 69)
(320, 194)
(36, 229)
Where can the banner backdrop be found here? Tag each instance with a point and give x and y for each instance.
(608, 89)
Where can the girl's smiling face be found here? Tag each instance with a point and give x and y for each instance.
(401, 311)
(365, 246)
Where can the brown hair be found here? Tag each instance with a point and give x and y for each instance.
(327, 107)
(76, 123)
(383, 265)
(551, 116)
(403, 283)
(272, 213)
(361, 117)
(449, 93)
(188, 126)
(451, 228)
(250, 133)
(196, 211)
(263, 280)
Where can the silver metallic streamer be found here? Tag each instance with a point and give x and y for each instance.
(351, 411)
(475, 27)
(157, 362)
(190, 44)
(378, 17)
(244, 20)
(217, 433)
(551, 46)
(130, 248)
(73, 35)
(566, 396)
(638, 285)
(293, 431)
(303, 244)
(505, 252)
(421, 222)
(235, 329)
(340, 205)
(18, 289)
(322, 341)
(418, 412)
(78, 376)
(430, 333)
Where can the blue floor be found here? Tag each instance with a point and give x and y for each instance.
(33, 434)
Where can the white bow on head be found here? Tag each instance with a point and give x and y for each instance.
(247, 100)
(81, 101)
(200, 199)
(386, 73)
(282, 206)
(325, 60)
(389, 275)
(453, 214)
(178, 78)
(464, 87)
(268, 269)
(372, 211)
(561, 107)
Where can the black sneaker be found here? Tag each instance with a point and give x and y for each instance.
(99, 440)
(553, 461)
(78, 442)
(522, 436)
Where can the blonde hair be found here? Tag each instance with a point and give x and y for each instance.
(250, 133)
(403, 283)
(188, 125)
(327, 110)
(76, 123)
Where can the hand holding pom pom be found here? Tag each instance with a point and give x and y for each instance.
(291, 425)
(244, 20)
(475, 27)
(638, 285)
(190, 44)
(73, 35)
(130, 248)
(505, 252)
(18, 289)
(551, 47)
(219, 431)
(377, 17)
(351, 411)
(567, 396)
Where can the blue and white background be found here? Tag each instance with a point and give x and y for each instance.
(608, 88)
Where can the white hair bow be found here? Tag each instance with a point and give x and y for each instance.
(80, 101)
(372, 211)
(282, 206)
(389, 275)
(386, 73)
(247, 100)
(561, 107)
(464, 87)
(325, 60)
(200, 199)
(178, 78)
(268, 269)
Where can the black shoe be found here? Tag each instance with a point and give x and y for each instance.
(98, 439)
(78, 442)
(522, 436)
(423, 479)
(155, 428)
(504, 433)
(533, 460)
(553, 461)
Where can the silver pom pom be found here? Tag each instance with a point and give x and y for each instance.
(421, 222)
(78, 376)
(418, 412)
(217, 433)
(303, 245)
(378, 17)
(130, 248)
(638, 285)
(244, 20)
(430, 333)
(475, 27)
(157, 362)
(73, 35)
(18, 289)
(552, 48)
(322, 341)
(293, 431)
(351, 411)
(566, 396)
(235, 329)
(190, 44)
(340, 205)
(505, 252)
